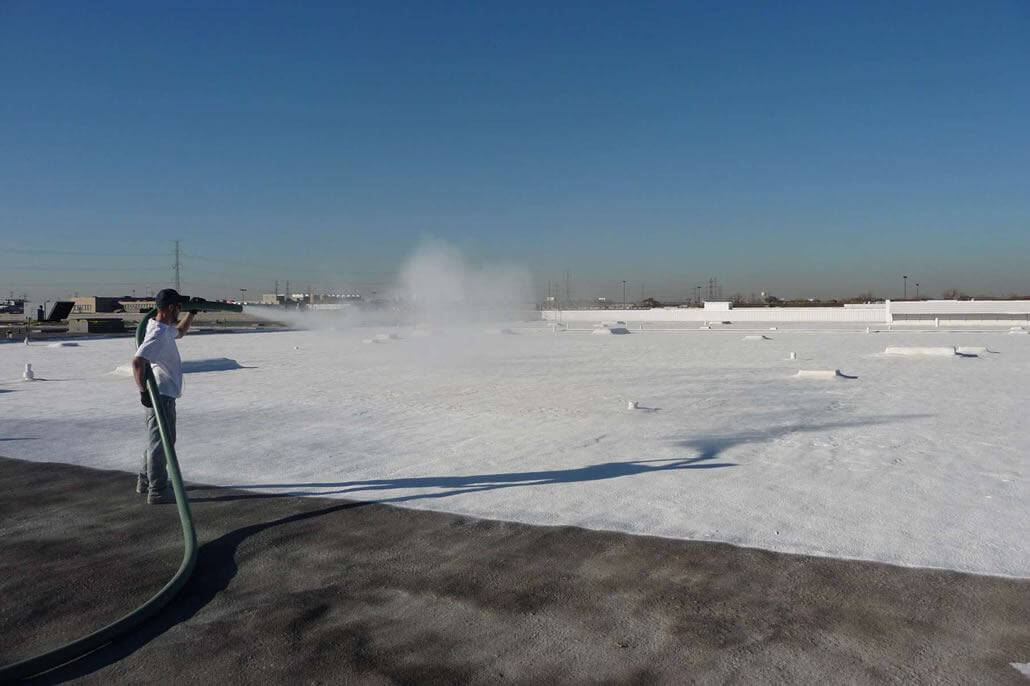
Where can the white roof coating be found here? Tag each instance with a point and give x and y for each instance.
(917, 461)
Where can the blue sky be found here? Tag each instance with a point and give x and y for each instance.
(810, 150)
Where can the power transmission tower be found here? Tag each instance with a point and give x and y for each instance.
(177, 266)
(714, 289)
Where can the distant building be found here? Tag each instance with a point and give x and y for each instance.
(334, 298)
(96, 325)
(12, 306)
(959, 312)
(137, 305)
(311, 298)
(93, 304)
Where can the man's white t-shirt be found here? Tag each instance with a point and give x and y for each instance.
(160, 350)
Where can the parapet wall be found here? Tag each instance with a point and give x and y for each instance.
(749, 314)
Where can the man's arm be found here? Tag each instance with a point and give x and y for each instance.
(139, 373)
(140, 367)
(185, 324)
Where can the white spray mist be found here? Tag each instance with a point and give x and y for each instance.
(436, 287)
(443, 288)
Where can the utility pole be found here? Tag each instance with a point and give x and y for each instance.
(624, 294)
(904, 280)
(177, 266)
(286, 298)
(917, 290)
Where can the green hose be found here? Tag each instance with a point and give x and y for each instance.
(69, 651)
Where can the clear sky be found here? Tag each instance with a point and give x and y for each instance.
(798, 148)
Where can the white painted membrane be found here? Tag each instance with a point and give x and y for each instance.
(916, 350)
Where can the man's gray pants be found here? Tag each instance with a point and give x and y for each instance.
(154, 465)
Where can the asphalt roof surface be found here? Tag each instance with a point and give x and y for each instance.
(327, 591)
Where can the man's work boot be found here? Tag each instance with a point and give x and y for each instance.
(161, 497)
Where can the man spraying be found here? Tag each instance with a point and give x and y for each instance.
(160, 351)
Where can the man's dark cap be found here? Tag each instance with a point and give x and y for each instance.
(170, 296)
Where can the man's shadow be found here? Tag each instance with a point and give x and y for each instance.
(458, 485)
(708, 447)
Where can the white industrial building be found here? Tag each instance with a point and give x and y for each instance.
(961, 312)
(917, 312)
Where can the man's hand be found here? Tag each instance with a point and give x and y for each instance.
(144, 398)
(185, 324)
